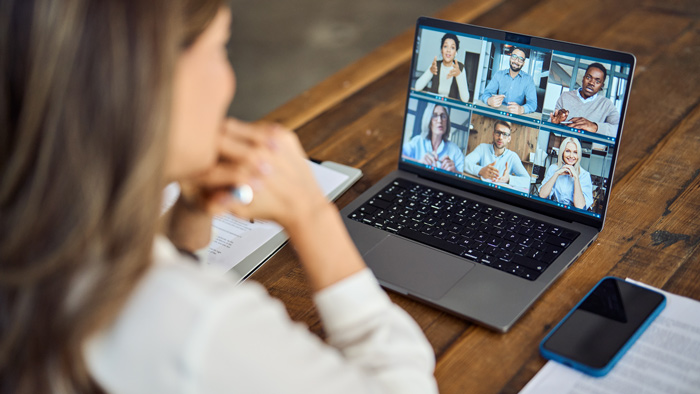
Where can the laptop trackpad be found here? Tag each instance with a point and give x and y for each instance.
(418, 269)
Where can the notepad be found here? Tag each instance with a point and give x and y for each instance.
(240, 247)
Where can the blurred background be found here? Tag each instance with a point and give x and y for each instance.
(279, 48)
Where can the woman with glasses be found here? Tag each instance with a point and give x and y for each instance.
(103, 104)
(447, 77)
(566, 182)
(433, 146)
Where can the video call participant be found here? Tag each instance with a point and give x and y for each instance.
(447, 75)
(585, 108)
(495, 163)
(566, 182)
(432, 146)
(512, 87)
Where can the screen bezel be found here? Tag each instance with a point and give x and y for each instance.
(553, 45)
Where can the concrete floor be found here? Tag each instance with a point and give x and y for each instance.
(279, 48)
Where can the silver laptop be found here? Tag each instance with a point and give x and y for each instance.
(505, 169)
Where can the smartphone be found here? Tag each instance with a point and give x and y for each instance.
(598, 331)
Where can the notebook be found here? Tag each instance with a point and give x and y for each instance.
(504, 173)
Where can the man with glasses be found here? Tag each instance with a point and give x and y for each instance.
(584, 108)
(495, 163)
(512, 87)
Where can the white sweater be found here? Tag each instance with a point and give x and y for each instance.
(188, 330)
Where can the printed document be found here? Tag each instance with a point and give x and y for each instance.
(665, 359)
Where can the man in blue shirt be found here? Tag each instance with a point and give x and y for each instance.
(512, 87)
(495, 163)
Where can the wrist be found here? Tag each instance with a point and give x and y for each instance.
(311, 216)
(188, 226)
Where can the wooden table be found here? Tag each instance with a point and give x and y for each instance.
(652, 230)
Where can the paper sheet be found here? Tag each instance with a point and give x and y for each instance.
(665, 359)
(233, 238)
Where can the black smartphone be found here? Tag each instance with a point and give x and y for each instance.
(598, 331)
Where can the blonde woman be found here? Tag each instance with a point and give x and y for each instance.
(104, 103)
(566, 182)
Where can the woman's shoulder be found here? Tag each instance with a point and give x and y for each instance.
(164, 321)
(584, 174)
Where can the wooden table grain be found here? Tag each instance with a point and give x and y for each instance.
(652, 231)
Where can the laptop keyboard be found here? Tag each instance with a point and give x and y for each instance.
(491, 236)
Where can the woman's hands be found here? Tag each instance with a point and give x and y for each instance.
(567, 169)
(268, 158)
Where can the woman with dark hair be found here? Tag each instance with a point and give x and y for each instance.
(447, 77)
(565, 181)
(102, 104)
(433, 146)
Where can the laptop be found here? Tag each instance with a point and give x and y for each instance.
(504, 173)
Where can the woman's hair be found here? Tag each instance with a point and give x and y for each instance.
(451, 37)
(427, 122)
(85, 98)
(579, 152)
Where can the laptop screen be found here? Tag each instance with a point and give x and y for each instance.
(518, 117)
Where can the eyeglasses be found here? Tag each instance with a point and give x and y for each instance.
(589, 78)
(442, 116)
(517, 58)
(501, 133)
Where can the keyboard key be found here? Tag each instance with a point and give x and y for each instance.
(456, 228)
(469, 232)
(509, 245)
(488, 260)
(494, 241)
(522, 250)
(386, 197)
(441, 233)
(527, 222)
(490, 249)
(427, 230)
(569, 234)
(554, 230)
(426, 239)
(558, 241)
(548, 257)
(485, 228)
(452, 238)
(506, 256)
(515, 219)
(498, 232)
(481, 237)
(472, 254)
(512, 237)
(367, 209)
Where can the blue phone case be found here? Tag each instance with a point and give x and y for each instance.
(600, 371)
